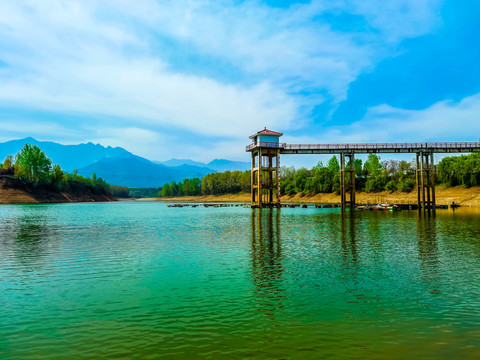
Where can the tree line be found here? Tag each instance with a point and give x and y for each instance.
(32, 166)
(373, 175)
(227, 182)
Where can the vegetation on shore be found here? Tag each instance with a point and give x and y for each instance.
(35, 170)
(371, 177)
(32, 167)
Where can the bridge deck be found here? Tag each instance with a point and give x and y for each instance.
(435, 147)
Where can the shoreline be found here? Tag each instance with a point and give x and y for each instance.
(14, 192)
(444, 196)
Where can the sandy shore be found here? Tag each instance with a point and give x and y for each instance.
(462, 196)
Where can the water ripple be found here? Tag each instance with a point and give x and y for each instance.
(139, 280)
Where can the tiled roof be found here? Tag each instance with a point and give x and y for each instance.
(267, 133)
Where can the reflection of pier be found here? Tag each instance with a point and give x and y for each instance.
(267, 266)
(266, 149)
(349, 243)
(428, 250)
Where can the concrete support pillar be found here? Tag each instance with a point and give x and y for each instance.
(265, 177)
(347, 180)
(425, 176)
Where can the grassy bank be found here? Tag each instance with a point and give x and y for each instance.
(460, 195)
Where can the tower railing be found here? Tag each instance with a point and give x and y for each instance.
(273, 145)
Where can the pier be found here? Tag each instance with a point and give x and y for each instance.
(266, 149)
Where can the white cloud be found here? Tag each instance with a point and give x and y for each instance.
(399, 19)
(45, 130)
(107, 60)
(443, 121)
(139, 141)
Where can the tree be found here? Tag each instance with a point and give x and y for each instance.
(300, 180)
(392, 166)
(333, 165)
(405, 167)
(318, 166)
(32, 164)
(358, 166)
(8, 162)
(166, 190)
(373, 165)
(57, 176)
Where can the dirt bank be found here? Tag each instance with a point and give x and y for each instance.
(14, 191)
(462, 196)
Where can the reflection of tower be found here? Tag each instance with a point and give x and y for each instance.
(428, 250)
(347, 179)
(267, 267)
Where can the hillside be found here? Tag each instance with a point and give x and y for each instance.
(14, 191)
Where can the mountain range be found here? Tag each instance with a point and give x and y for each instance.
(118, 166)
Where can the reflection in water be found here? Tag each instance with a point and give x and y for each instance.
(33, 235)
(349, 244)
(267, 267)
(428, 250)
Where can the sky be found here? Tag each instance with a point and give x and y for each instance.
(193, 78)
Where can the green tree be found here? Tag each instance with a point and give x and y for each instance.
(8, 162)
(373, 165)
(333, 165)
(300, 180)
(166, 190)
(405, 167)
(32, 164)
(358, 166)
(57, 176)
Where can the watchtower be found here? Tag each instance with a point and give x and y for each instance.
(265, 149)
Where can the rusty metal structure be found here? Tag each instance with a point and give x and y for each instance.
(266, 149)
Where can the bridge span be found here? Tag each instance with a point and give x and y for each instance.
(266, 149)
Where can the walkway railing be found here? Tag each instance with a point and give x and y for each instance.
(371, 147)
(379, 146)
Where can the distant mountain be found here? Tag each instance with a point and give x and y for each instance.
(118, 166)
(215, 165)
(135, 171)
(180, 162)
(224, 165)
(69, 157)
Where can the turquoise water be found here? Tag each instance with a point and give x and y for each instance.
(143, 281)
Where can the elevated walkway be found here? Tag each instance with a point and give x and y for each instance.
(368, 148)
(264, 152)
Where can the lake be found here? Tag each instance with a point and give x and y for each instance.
(138, 280)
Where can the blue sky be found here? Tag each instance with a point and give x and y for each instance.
(193, 79)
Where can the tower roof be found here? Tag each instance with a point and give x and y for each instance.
(267, 133)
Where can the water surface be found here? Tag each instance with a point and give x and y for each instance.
(140, 280)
